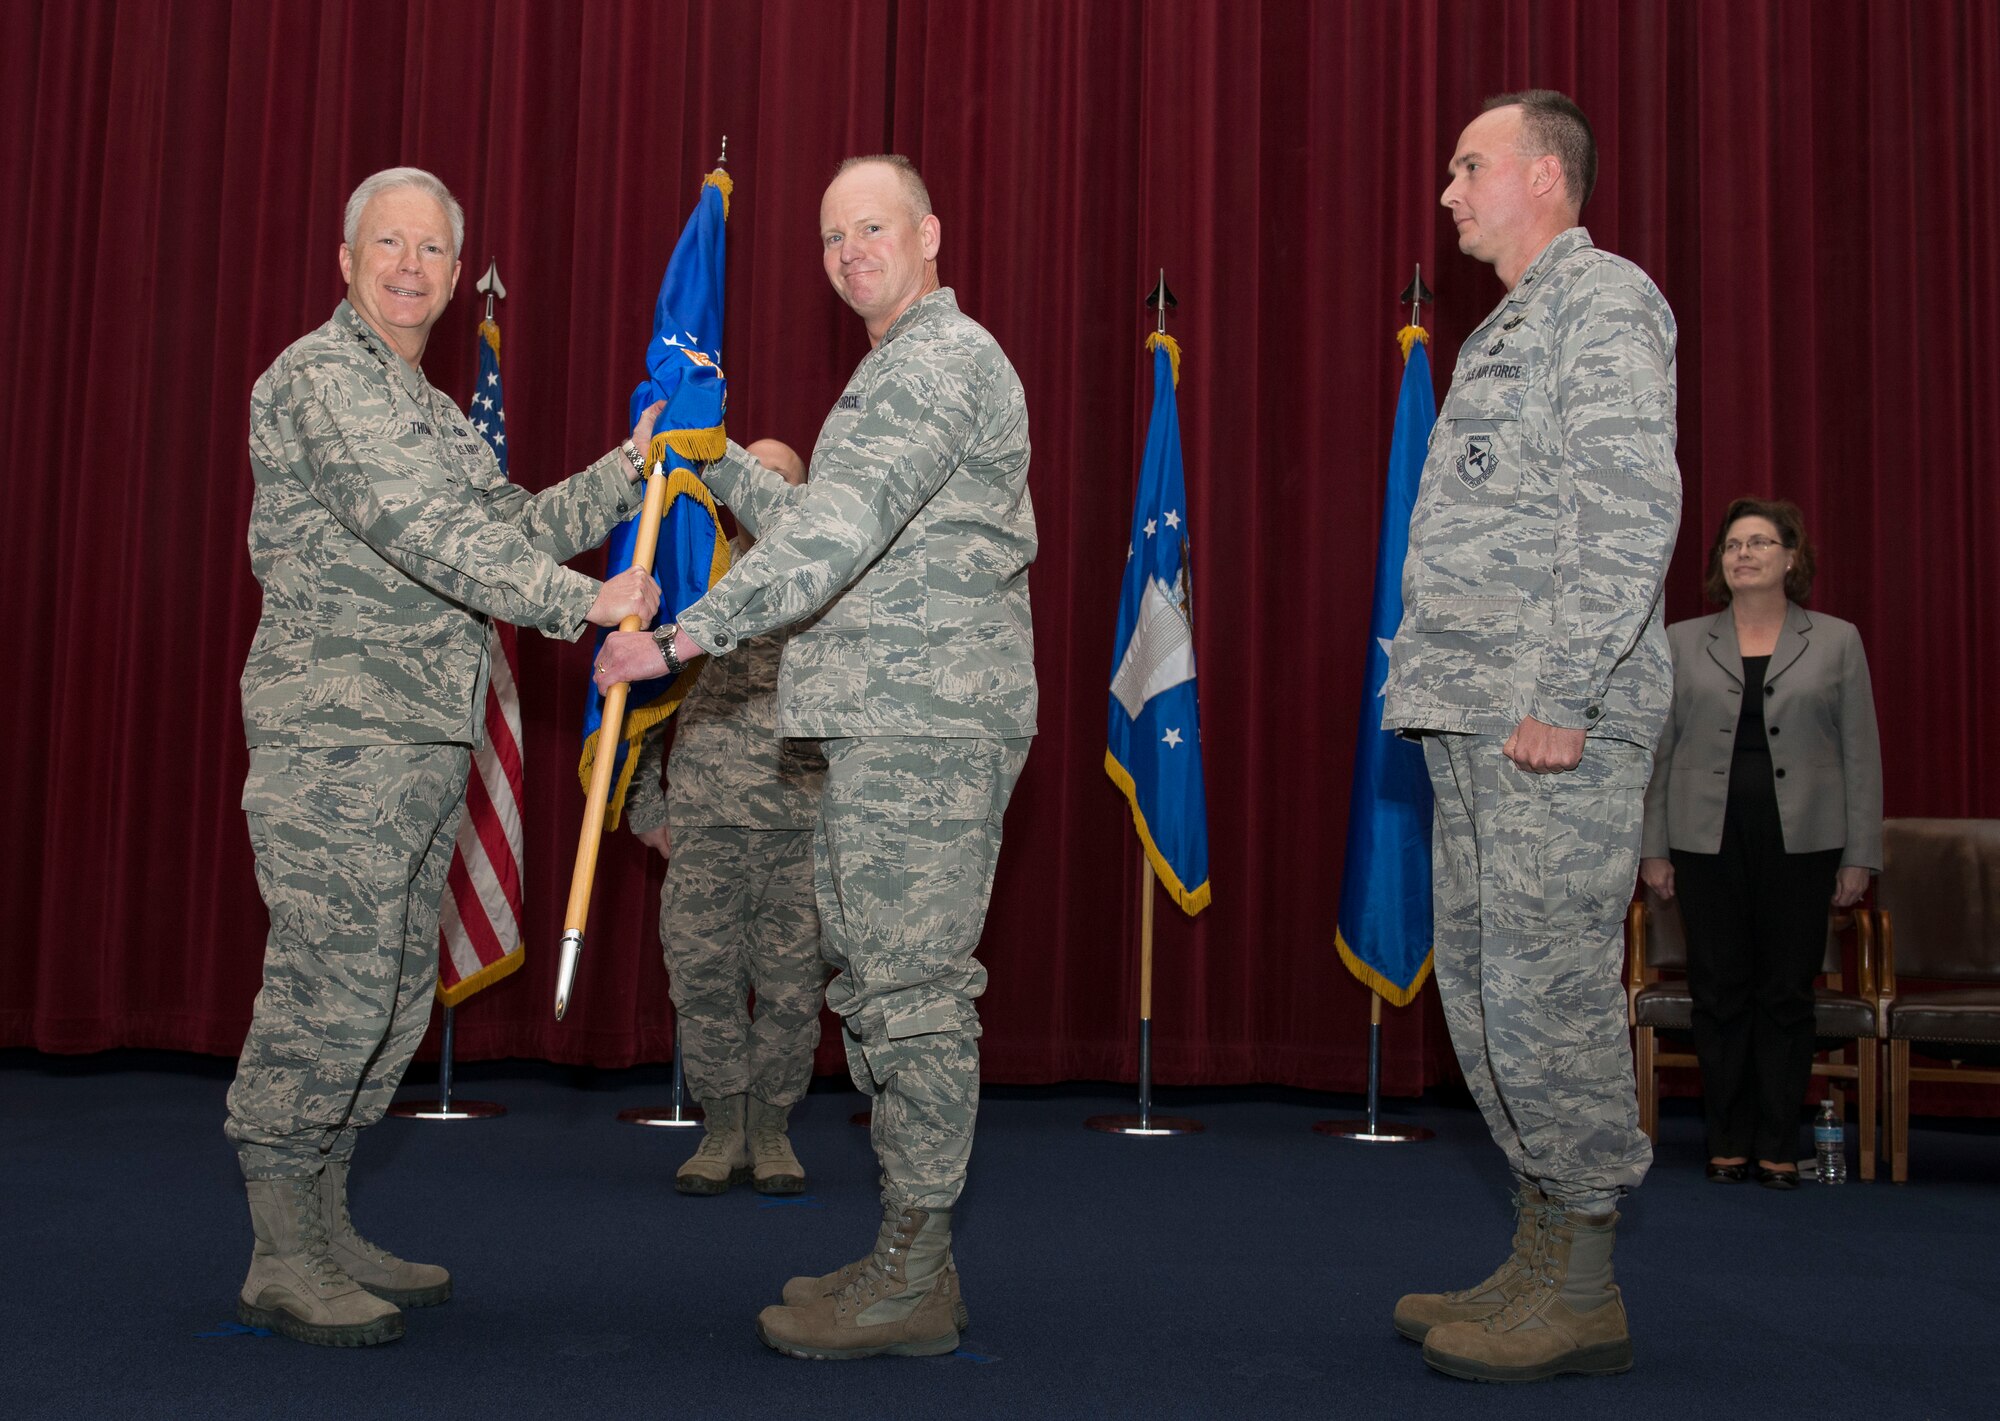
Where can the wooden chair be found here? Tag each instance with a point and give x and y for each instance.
(1657, 992)
(1940, 924)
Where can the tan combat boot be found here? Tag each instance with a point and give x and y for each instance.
(1570, 1318)
(406, 1284)
(296, 1287)
(800, 1292)
(723, 1157)
(1418, 1313)
(774, 1169)
(902, 1301)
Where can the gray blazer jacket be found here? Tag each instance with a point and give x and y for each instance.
(1819, 715)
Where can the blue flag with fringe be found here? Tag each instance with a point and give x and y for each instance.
(1383, 929)
(1154, 750)
(684, 369)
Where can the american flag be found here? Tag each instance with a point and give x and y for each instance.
(479, 925)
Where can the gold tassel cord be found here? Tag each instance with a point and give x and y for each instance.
(1409, 336)
(1160, 340)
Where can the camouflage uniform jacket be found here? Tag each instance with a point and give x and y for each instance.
(904, 560)
(729, 767)
(1547, 513)
(385, 536)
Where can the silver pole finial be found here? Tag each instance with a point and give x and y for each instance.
(490, 286)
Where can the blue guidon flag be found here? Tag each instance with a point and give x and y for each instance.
(1154, 749)
(1383, 930)
(683, 367)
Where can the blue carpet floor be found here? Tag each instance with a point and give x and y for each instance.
(1244, 1272)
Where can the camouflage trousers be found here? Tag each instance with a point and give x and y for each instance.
(1530, 878)
(903, 859)
(737, 914)
(352, 847)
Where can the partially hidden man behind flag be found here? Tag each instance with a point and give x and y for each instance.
(683, 368)
(479, 922)
(1154, 751)
(1384, 925)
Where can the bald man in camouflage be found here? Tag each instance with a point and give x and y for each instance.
(734, 822)
(1532, 661)
(903, 568)
(385, 537)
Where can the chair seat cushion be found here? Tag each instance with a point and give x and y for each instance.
(1664, 1006)
(1969, 1014)
(1839, 1016)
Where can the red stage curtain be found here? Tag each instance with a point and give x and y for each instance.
(1802, 179)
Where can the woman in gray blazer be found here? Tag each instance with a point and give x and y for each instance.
(1765, 805)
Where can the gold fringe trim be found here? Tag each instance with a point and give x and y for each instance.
(1160, 340)
(1191, 900)
(697, 446)
(1388, 991)
(489, 331)
(722, 180)
(485, 977)
(1409, 336)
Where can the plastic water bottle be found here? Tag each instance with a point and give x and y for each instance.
(1830, 1145)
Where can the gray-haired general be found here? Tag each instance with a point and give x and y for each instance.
(385, 538)
(903, 565)
(1532, 661)
(1765, 810)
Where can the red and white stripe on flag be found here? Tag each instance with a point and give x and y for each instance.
(479, 922)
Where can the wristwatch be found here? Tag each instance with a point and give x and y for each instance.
(663, 638)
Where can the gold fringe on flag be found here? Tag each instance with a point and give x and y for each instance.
(1407, 337)
(1159, 340)
(722, 180)
(489, 331)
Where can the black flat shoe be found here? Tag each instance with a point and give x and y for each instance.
(1728, 1173)
(1777, 1178)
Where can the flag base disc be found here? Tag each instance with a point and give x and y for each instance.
(1384, 1132)
(460, 1110)
(1145, 1125)
(664, 1117)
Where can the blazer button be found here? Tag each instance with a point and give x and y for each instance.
(1781, 774)
(1770, 690)
(1771, 729)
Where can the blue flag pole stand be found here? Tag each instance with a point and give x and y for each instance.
(444, 1107)
(1374, 1130)
(1145, 1122)
(678, 1116)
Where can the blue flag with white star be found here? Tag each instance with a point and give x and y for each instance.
(1154, 751)
(1383, 929)
(683, 368)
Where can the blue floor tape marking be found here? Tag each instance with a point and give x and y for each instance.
(236, 1329)
(978, 1357)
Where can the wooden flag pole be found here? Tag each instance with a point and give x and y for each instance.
(1371, 1130)
(610, 725)
(1145, 1122)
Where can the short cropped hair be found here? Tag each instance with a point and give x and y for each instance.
(914, 191)
(390, 179)
(1551, 123)
(1791, 526)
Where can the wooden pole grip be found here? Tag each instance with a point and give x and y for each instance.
(612, 723)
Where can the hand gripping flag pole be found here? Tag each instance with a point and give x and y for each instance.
(677, 535)
(1153, 745)
(1383, 931)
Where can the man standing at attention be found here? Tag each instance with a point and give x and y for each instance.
(908, 551)
(1533, 663)
(737, 911)
(384, 537)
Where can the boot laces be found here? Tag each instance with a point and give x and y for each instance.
(715, 1147)
(316, 1245)
(1538, 1272)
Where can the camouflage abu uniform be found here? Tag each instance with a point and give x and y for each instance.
(737, 909)
(1538, 545)
(384, 536)
(911, 543)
